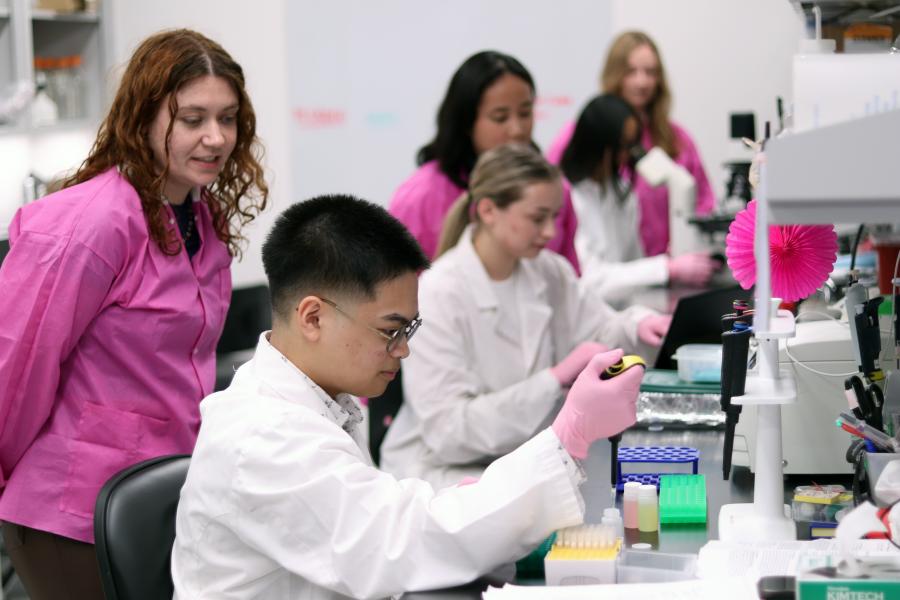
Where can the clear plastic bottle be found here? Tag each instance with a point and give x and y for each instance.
(73, 101)
(615, 519)
(43, 110)
(630, 504)
(648, 508)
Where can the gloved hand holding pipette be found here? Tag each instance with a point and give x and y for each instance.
(597, 409)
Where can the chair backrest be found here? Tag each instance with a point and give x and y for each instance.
(249, 314)
(382, 411)
(134, 528)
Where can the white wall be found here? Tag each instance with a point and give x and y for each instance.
(366, 78)
(720, 56)
(383, 67)
(254, 34)
(46, 154)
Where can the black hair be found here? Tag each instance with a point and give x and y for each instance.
(452, 144)
(597, 135)
(336, 244)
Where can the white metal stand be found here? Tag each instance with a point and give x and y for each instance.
(768, 518)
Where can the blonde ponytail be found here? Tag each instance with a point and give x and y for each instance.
(501, 174)
(455, 223)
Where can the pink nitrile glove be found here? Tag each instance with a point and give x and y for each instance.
(694, 268)
(595, 408)
(467, 480)
(568, 368)
(651, 330)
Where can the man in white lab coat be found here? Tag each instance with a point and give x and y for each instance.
(282, 500)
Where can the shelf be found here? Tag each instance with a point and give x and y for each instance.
(63, 126)
(59, 17)
(842, 173)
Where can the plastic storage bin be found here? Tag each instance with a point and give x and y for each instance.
(635, 566)
(815, 509)
(699, 362)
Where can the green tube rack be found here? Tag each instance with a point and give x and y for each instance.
(532, 566)
(682, 499)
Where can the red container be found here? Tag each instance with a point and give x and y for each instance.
(887, 257)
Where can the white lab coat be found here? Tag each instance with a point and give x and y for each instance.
(474, 385)
(282, 501)
(609, 245)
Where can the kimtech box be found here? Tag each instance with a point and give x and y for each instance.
(876, 579)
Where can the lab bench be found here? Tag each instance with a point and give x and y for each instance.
(684, 538)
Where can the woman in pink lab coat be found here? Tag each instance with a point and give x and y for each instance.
(634, 71)
(489, 102)
(114, 294)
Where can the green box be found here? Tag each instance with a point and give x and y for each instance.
(848, 589)
(682, 499)
(879, 580)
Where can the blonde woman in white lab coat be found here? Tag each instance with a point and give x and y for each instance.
(509, 327)
(607, 240)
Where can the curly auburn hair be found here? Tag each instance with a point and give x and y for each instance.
(158, 69)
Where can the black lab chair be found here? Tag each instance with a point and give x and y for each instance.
(134, 528)
(382, 411)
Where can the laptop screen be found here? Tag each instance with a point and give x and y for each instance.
(698, 320)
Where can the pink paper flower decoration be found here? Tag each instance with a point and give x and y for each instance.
(801, 256)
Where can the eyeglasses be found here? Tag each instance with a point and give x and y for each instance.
(393, 339)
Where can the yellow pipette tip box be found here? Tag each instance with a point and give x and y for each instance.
(581, 566)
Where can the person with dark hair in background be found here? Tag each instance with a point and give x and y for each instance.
(116, 289)
(510, 326)
(489, 102)
(282, 499)
(634, 72)
(599, 163)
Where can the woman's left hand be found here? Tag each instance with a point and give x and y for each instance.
(651, 330)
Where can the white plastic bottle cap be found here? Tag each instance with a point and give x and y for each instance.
(631, 489)
(647, 491)
(642, 546)
(611, 512)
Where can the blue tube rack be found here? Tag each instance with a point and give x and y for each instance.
(684, 455)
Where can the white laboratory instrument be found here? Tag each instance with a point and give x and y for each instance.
(840, 173)
(658, 169)
(812, 444)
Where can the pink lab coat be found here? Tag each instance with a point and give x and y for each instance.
(654, 201)
(107, 346)
(423, 200)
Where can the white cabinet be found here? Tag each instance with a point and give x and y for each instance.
(77, 45)
(69, 48)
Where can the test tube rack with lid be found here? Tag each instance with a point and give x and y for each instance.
(682, 499)
(675, 457)
(583, 555)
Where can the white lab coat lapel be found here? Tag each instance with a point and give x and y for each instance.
(476, 279)
(531, 292)
(282, 378)
(536, 313)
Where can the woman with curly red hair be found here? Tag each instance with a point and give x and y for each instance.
(115, 291)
